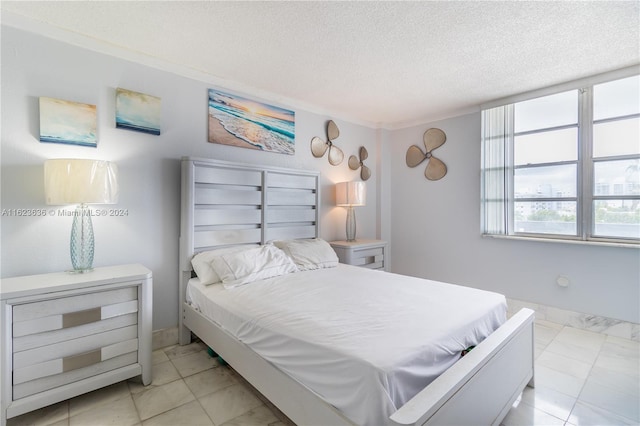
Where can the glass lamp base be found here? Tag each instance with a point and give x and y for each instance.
(351, 224)
(82, 241)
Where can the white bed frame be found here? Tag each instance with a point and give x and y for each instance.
(227, 203)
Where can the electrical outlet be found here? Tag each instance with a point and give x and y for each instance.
(563, 281)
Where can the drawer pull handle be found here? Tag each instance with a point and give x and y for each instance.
(73, 319)
(83, 360)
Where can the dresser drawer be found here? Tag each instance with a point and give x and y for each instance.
(66, 312)
(34, 387)
(62, 340)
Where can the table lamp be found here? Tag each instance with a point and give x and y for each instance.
(82, 182)
(350, 195)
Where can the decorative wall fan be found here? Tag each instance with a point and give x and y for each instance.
(436, 169)
(319, 147)
(354, 163)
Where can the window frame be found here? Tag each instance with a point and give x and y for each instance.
(586, 191)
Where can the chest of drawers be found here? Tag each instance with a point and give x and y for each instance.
(66, 334)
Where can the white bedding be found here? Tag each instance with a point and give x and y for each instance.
(365, 341)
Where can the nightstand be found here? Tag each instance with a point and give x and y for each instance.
(67, 334)
(366, 253)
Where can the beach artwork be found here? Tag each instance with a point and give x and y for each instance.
(237, 121)
(68, 122)
(137, 111)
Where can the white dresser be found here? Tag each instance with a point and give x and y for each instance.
(66, 334)
(365, 253)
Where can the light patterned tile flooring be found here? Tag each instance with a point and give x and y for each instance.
(582, 378)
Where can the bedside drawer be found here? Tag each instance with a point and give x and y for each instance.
(365, 253)
(63, 340)
(370, 258)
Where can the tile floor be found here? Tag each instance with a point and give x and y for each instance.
(582, 378)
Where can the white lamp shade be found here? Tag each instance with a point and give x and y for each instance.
(74, 181)
(350, 194)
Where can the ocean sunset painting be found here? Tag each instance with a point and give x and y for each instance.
(237, 121)
(137, 111)
(68, 122)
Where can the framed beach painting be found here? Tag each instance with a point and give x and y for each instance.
(242, 122)
(137, 111)
(68, 122)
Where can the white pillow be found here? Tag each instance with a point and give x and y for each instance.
(251, 265)
(309, 254)
(201, 262)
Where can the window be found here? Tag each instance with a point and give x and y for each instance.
(565, 165)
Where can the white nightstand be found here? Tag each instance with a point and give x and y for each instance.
(66, 334)
(366, 253)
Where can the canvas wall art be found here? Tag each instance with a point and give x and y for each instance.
(242, 122)
(68, 122)
(137, 111)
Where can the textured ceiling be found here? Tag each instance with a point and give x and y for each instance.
(387, 64)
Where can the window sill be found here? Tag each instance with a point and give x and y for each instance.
(565, 241)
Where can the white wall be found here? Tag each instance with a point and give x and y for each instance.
(433, 227)
(34, 66)
(435, 233)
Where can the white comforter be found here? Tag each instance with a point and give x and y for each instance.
(365, 341)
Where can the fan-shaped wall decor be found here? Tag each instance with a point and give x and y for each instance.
(354, 163)
(319, 147)
(436, 169)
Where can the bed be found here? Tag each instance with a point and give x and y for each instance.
(228, 204)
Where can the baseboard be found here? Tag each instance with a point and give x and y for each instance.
(595, 323)
(164, 337)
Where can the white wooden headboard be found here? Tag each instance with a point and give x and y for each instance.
(225, 203)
